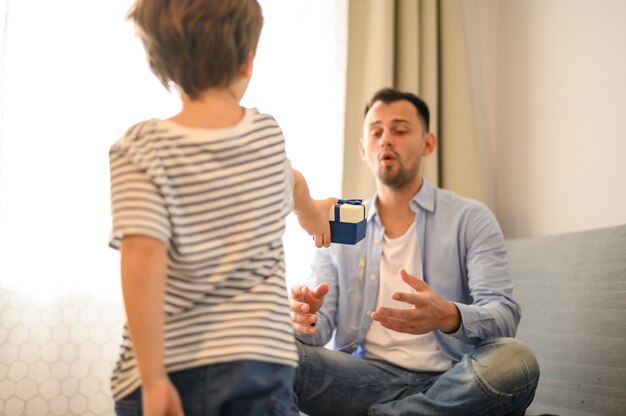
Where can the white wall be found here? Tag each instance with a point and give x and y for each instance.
(558, 112)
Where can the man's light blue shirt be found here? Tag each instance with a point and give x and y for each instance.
(464, 260)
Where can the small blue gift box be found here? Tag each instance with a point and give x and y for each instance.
(348, 221)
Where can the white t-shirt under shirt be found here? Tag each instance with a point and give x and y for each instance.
(413, 352)
(217, 199)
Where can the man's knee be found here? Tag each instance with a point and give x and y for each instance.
(505, 365)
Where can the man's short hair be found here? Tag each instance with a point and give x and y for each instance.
(390, 95)
(197, 44)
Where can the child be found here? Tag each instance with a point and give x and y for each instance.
(198, 204)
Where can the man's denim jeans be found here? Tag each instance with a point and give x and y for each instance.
(498, 378)
(235, 389)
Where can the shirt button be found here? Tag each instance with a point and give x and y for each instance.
(368, 313)
(372, 276)
(354, 346)
(377, 241)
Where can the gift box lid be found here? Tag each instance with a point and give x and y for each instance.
(348, 210)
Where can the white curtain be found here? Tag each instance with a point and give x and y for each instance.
(73, 77)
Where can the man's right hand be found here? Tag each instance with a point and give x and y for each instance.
(305, 303)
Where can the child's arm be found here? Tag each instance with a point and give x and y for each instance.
(144, 265)
(312, 214)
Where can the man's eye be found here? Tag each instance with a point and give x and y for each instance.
(375, 133)
(401, 132)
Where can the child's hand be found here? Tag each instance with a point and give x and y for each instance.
(313, 218)
(160, 398)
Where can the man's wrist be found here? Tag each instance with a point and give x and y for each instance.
(453, 323)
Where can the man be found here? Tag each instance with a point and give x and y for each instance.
(421, 312)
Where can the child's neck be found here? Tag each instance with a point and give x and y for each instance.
(214, 109)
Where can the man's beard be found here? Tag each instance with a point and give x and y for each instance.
(401, 178)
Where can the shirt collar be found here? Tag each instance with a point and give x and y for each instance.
(424, 198)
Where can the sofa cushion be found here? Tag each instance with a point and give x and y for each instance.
(572, 289)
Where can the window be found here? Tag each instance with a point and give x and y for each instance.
(74, 78)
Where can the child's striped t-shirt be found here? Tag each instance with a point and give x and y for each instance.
(217, 198)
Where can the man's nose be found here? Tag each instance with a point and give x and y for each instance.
(386, 139)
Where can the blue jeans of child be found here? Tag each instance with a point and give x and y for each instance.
(236, 388)
(498, 378)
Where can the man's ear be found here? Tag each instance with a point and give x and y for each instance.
(361, 149)
(430, 142)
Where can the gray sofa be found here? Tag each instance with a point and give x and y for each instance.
(572, 289)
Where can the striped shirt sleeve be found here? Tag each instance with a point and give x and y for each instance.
(137, 205)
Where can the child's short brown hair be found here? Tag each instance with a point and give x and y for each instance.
(197, 44)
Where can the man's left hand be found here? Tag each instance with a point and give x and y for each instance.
(428, 311)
